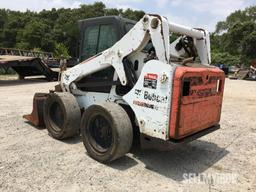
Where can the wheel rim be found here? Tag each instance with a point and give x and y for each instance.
(100, 133)
(56, 116)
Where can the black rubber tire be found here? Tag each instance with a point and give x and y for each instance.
(121, 131)
(62, 115)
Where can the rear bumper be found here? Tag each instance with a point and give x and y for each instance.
(158, 144)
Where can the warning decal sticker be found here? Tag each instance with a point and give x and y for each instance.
(150, 81)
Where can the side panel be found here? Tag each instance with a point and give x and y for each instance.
(196, 100)
(150, 99)
(90, 98)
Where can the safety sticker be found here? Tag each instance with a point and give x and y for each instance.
(150, 81)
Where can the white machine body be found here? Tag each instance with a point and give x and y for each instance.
(150, 97)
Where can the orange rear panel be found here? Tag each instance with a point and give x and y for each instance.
(196, 100)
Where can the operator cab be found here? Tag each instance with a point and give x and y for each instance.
(97, 35)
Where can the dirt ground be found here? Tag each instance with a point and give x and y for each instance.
(30, 160)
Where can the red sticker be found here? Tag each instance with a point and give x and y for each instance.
(151, 76)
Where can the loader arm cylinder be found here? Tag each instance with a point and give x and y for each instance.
(184, 30)
(201, 39)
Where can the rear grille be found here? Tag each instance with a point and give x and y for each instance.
(196, 100)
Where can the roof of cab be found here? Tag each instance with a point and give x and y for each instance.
(107, 18)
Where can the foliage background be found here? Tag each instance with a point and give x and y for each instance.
(232, 43)
(234, 40)
(52, 30)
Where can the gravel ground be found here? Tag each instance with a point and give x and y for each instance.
(30, 160)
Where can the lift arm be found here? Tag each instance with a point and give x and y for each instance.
(201, 39)
(152, 27)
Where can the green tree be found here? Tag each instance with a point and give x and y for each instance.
(34, 32)
(249, 47)
(224, 58)
(48, 28)
(61, 50)
(235, 37)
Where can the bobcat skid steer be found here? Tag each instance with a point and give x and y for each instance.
(133, 82)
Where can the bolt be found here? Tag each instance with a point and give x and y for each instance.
(164, 78)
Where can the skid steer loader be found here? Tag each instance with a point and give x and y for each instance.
(134, 82)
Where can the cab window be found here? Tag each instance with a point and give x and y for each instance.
(129, 26)
(97, 39)
(107, 37)
(90, 41)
